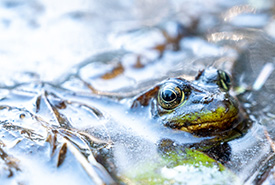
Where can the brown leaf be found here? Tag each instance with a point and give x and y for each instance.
(119, 69)
(37, 104)
(138, 63)
(52, 140)
(62, 154)
(11, 162)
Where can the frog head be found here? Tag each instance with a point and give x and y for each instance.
(202, 107)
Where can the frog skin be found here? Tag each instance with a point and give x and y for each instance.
(202, 107)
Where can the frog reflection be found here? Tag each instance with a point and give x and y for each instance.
(202, 107)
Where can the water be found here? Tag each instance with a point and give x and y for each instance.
(70, 71)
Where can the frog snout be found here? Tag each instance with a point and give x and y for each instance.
(207, 99)
(202, 99)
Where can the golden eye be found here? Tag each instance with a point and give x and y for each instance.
(170, 96)
(225, 82)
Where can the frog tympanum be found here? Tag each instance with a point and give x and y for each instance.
(202, 107)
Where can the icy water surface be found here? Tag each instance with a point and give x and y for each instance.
(71, 70)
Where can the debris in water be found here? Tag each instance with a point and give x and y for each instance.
(263, 76)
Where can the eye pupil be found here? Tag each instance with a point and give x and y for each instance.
(227, 79)
(168, 95)
(224, 80)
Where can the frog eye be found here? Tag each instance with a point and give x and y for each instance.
(224, 82)
(170, 96)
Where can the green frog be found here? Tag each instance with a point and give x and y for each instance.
(203, 107)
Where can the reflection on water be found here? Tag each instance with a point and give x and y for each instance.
(216, 37)
(70, 71)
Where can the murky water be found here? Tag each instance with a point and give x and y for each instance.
(71, 70)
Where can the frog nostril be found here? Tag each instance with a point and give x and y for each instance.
(202, 99)
(207, 99)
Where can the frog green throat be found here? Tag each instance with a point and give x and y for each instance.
(202, 107)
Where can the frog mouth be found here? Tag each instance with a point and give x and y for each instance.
(211, 126)
(208, 123)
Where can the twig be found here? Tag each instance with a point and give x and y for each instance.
(272, 144)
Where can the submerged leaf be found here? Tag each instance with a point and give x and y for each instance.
(10, 163)
(119, 69)
(62, 154)
(187, 167)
